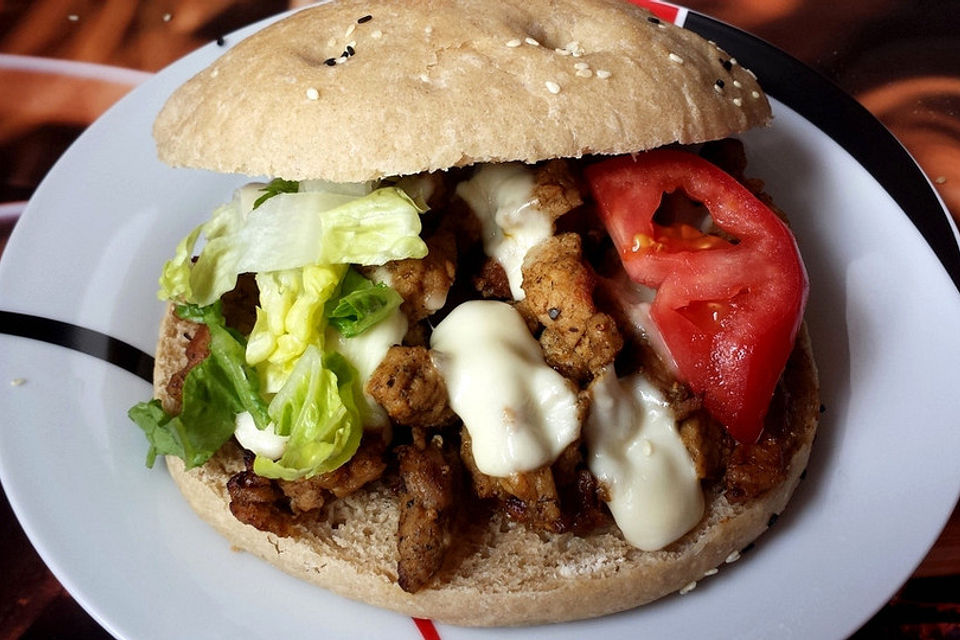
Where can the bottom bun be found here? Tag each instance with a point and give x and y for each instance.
(499, 573)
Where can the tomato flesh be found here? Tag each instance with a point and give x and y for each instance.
(728, 310)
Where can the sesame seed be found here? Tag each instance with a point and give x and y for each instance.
(376, 35)
(676, 58)
(737, 84)
(687, 588)
(351, 51)
(341, 60)
(73, 17)
(531, 41)
(428, 29)
(312, 93)
(513, 44)
(754, 94)
(653, 20)
(711, 572)
(424, 78)
(733, 557)
(718, 88)
(718, 84)
(366, 18)
(752, 74)
(726, 64)
(603, 73)
(738, 102)
(581, 65)
(575, 49)
(167, 17)
(329, 62)
(221, 41)
(661, 26)
(16, 382)
(941, 180)
(733, 61)
(584, 73)
(552, 87)
(349, 31)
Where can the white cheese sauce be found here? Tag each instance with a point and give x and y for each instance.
(501, 196)
(264, 443)
(635, 451)
(520, 413)
(365, 352)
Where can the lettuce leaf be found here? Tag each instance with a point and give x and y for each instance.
(276, 187)
(214, 391)
(291, 230)
(317, 408)
(289, 319)
(361, 304)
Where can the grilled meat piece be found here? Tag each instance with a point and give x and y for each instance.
(577, 339)
(431, 479)
(410, 388)
(197, 349)
(258, 501)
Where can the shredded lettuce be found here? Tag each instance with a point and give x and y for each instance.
(361, 304)
(214, 391)
(291, 230)
(289, 319)
(317, 408)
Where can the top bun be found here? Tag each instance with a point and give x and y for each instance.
(435, 84)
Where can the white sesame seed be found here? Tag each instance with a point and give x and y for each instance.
(603, 73)
(718, 88)
(312, 93)
(349, 30)
(424, 78)
(428, 29)
(552, 87)
(737, 84)
(581, 65)
(513, 44)
(711, 572)
(676, 58)
(167, 17)
(584, 73)
(754, 94)
(738, 102)
(941, 180)
(16, 382)
(733, 61)
(341, 60)
(376, 35)
(575, 48)
(352, 43)
(531, 41)
(73, 17)
(733, 557)
(752, 74)
(661, 25)
(687, 588)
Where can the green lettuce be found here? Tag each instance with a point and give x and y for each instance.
(317, 408)
(289, 231)
(214, 391)
(361, 304)
(289, 319)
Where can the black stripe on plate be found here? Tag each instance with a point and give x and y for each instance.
(92, 343)
(849, 123)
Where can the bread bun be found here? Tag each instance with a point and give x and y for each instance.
(498, 573)
(447, 83)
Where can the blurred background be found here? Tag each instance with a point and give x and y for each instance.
(64, 62)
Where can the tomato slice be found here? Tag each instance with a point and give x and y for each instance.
(729, 307)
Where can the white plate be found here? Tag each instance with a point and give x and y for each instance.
(882, 481)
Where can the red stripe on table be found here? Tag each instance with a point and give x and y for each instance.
(659, 9)
(426, 628)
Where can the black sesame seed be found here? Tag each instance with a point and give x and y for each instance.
(653, 20)
(554, 313)
(329, 62)
(773, 519)
(366, 18)
(726, 64)
(351, 51)
(221, 41)
(719, 83)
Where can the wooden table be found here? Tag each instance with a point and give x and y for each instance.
(71, 59)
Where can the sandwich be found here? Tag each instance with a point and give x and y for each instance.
(504, 335)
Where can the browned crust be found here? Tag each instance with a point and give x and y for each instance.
(499, 574)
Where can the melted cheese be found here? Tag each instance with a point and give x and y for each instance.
(365, 352)
(635, 451)
(519, 412)
(501, 196)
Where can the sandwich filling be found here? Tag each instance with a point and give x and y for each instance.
(580, 344)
